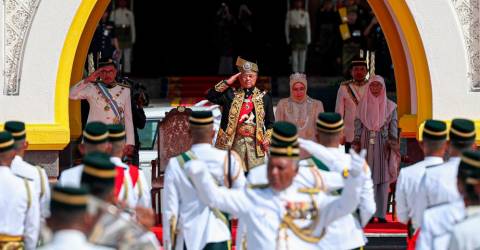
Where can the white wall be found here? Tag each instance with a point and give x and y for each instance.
(442, 38)
(35, 104)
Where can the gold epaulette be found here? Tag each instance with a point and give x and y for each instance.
(309, 190)
(258, 186)
(123, 84)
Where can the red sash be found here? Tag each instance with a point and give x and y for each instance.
(119, 179)
(133, 173)
(411, 243)
(247, 108)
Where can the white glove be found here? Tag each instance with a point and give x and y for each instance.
(358, 162)
(318, 151)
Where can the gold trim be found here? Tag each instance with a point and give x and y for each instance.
(309, 190)
(289, 151)
(303, 234)
(95, 137)
(430, 132)
(17, 134)
(331, 131)
(100, 173)
(201, 120)
(117, 135)
(10, 238)
(173, 230)
(257, 100)
(471, 162)
(283, 138)
(241, 62)
(7, 144)
(462, 134)
(330, 125)
(69, 199)
(221, 86)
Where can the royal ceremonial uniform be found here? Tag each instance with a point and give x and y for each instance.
(95, 133)
(72, 200)
(439, 183)
(187, 221)
(20, 220)
(409, 179)
(108, 104)
(349, 96)
(294, 218)
(247, 118)
(438, 221)
(464, 234)
(24, 169)
(141, 190)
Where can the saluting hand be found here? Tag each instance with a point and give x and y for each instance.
(94, 76)
(233, 78)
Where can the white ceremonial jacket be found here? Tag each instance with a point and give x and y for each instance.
(262, 210)
(438, 222)
(19, 207)
(72, 177)
(40, 181)
(195, 224)
(465, 233)
(141, 189)
(71, 240)
(408, 185)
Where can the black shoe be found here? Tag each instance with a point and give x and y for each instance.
(382, 220)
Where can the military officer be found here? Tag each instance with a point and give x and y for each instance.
(141, 190)
(25, 169)
(198, 226)
(328, 156)
(465, 233)
(409, 208)
(247, 115)
(70, 221)
(349, 95)
(439, 183)
(96, 139)
(281, 215)
(20, 220)
(109, 101)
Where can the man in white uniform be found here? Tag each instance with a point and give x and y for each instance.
(281, 215)
(20, 220)
(434, 144)
(187, 221)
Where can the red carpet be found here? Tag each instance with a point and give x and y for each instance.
(391, 227)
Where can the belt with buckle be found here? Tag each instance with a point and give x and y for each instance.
(246, 130)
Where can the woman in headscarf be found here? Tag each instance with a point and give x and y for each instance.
(376, 130)
(300, 109)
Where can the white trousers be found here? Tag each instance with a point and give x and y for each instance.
(299, 56)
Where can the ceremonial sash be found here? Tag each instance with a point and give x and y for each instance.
(112, 103)
(352, 94)
(119, 182)
(246, 109)
(133, 173)
(320, 165)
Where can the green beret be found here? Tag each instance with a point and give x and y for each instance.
(95, 133)
(284, 140)
(116, 132)
(69, 198)
(17, 129)
(469, 169)
(201, 118)
(462, 130)
(6, 141)
(98, 169)
(435, 130)
(330, 122)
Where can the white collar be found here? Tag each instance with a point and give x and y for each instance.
(73, 237)
(201, 145)
(473, 210)
(118, 162)
(433, 159)
(18, 158)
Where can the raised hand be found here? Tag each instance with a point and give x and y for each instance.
(358, 162)
(232, 79)
(318, 151)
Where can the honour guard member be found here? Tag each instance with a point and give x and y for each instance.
(96, 139)
(349, 95)
(247, 115)
(141, 190)
(20, 220)
(109, 101)
(281, 215)
(434, 144)
(198, 226)
(24, 169)
(439, 183)
(465, 233)
(329, 157)
(70, 221)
